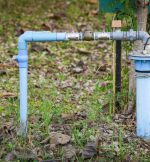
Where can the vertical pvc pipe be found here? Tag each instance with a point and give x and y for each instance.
(23, 100)
(142, 68)
(143, 105)
(22, 59)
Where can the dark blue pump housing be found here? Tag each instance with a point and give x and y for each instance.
(114, 6)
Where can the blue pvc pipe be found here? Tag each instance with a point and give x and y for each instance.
(35, 36)
(143, 105)
(142, 68)
(23, 100)
(22, 59)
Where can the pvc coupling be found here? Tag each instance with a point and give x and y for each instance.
(22, 58)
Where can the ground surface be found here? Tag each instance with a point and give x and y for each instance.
(70, 89)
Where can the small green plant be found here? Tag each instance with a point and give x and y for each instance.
(81, 133)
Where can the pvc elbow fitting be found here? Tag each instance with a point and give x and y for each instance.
(23, 39)
(143, 36)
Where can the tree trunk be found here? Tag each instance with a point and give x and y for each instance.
(142, 13)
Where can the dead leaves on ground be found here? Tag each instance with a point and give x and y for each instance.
(78, 67)
(57, 139)
(91, 149)
(66, 83)
(5, 66)
(74, 116)
(69, 151)
(22, 154)
(6, 129)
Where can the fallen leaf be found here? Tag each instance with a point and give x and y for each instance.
(67, 116)
(69, 151)
(95, 12)
(7, 128)
(81, 115)
(7, 95)
(50, 25)
(83, 51)
(90, 149)
(59, 138)
(24, 154)
(36, 48)
(102, 68)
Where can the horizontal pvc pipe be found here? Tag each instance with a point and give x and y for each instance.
(35, 36)
(23, 100)
(45, 36)
(129, 35)
(143, 105)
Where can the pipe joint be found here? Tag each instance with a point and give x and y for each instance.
(101, 35)
(23, 39)
(142, 35)
(117, 35)
(131, 35)
(74, 36)
(88, 36)
(22, 59)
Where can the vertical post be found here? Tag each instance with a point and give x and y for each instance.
(118, 73)
(114, 76)
(116, 25)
